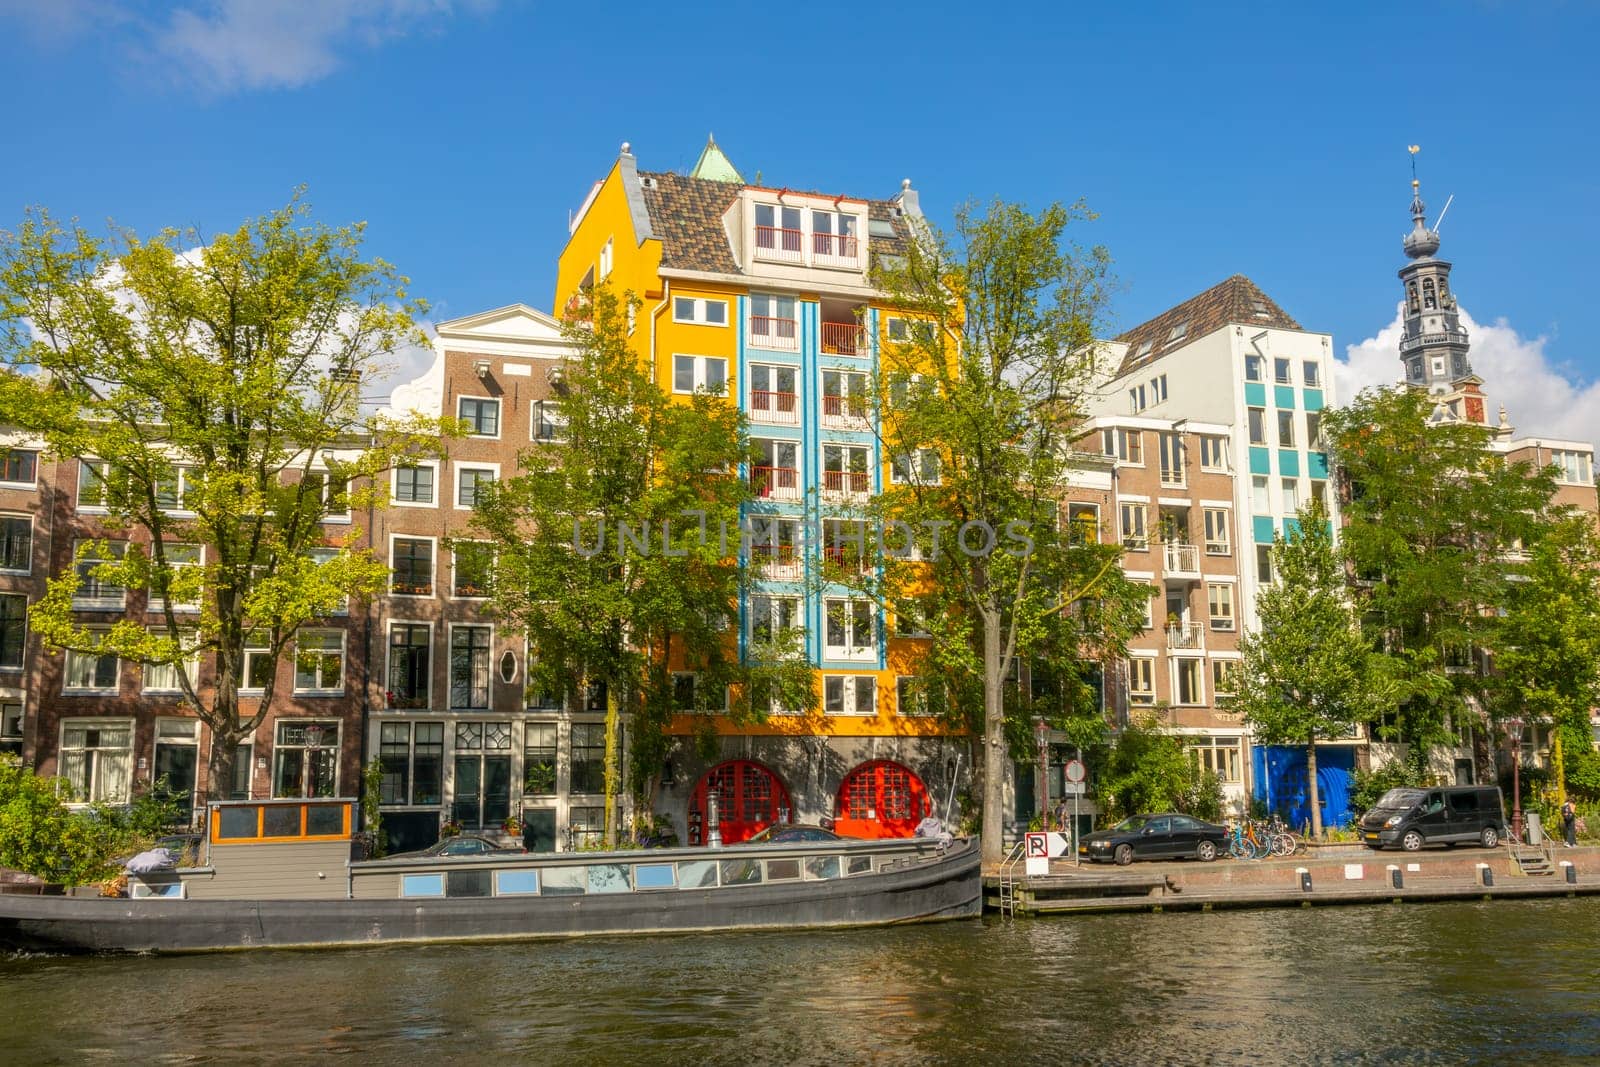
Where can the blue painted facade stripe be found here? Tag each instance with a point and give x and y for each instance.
(1262, 528)
(1317, 464)
(1260, 461)
(1288, 464)
(1255, 394)
(1283, 397)
(1312, 399)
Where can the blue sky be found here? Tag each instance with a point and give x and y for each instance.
(1212, 139)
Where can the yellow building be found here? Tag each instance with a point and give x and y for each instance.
(762, 293)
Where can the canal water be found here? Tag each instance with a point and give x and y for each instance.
(1502, 982)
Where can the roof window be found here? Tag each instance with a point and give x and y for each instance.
(881, 228)
(1144, 349)
(1178, 331)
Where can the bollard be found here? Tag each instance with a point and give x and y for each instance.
(1305, 878)
(1485, 875)
(1570, 871)
(1396, 879)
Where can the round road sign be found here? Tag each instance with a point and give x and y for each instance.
(1075, 771)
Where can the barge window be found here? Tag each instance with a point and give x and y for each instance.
(324, 819)
(609, 878)
(239, 822)
(697, 874)
(740, 872)
(822, 868)
(280, 820)
(564, 881)
(422, 885)
(467, 884)
(783, 870)
(516, 883)
(654, 876)
(859, 865)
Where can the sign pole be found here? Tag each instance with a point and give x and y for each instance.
(1075, 860)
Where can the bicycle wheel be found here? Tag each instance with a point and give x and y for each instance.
(1282, 845)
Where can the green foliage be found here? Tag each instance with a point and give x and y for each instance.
(372, 806)
(39, 834)
(1366, 787)
(218, 379)
(1149, 769)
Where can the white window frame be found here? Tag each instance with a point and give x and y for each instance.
(433, 573)
(162, 683)
(853, 648)
(771, 413)
(1176, 666)
(1217, 546)
(388, 660)
(854, 392)
(1221, 666)
(458, 469)
(1290, 489)
(773, 341)
(1158, 390)
(547, 411)
(1141, 669)
(499, 415)
(81, 602)
(1260, 494)
(607, 259)
(1133, 535)
(927, 470)
(699, 311)
(450, 591)
(5, 462)
(28, 567)
(773, 607)
(1282, 370)
(251, 652)
(1130, 447)
(850, 695)
(1256, 418)
(1076, 529)
(1218, 446)
(701, 364)
(157, 604)
(102, 469)
(394, 484)
(846, 488)
(697, 704)
(94, 792)
(180, 474)
(71, 660)
(1230, 620)
(774, 448)
(1311, 373)
(316, 686)
(1207, 752)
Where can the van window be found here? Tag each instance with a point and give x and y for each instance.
(1465, 803)
(1435, 803)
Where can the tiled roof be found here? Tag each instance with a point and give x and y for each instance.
(1237, 300)
(686, 213)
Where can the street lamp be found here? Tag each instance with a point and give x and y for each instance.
(1516, 781)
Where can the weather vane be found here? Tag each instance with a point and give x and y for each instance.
(1414, 149)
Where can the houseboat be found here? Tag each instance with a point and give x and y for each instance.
(280, 874)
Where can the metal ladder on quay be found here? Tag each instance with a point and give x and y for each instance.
(1008, 880)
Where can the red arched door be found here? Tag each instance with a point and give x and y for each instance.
(749, 799)
(881, 799)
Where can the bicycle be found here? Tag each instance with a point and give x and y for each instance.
(1244, 844)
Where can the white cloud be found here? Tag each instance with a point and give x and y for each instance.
(1542, 399)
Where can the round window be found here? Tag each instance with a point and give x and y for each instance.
(508, 666)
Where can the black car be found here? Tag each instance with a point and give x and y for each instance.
(459, 845)
(1156, 837)
(789, 832)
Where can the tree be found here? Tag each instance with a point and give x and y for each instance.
(1434, 521)
(617, 547)
(980, 402)
(41, 835)
(1306, 672)
(1148, 769)
(214, 383)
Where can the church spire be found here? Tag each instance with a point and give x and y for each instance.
(715, 166)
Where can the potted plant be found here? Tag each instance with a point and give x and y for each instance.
(512, 825)
(450, 828)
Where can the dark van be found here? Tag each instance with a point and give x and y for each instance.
(1447, 815)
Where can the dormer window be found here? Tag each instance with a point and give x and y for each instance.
(834, 237)
(1177, 333)
(778, 233)
(1143, 350)
(1260, 308)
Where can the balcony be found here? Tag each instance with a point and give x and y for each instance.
(776, 483)
(776, 562)
(1444, 337)
(1182, 561)
(846, 483)
(835, 250)
(780, 244)
(774, 334)
(844, 412)
(844, 339)
(1187, 636)
(780, 409)
(847, 558)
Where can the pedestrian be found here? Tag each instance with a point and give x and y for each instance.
(1569, 824)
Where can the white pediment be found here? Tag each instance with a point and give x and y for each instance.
(516, 322)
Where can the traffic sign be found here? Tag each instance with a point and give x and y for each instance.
(1075, 789)
(1038, 845)
(1075, 771)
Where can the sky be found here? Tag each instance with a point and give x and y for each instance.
(1211, 139)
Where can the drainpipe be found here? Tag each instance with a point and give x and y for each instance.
(366, 656)
(666, 298)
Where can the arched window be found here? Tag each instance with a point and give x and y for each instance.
(1411, 291)
(1428, 300)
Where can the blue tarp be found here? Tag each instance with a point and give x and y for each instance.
(1280, 780)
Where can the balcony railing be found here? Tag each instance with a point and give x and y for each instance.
(1438, 338)
(1187, 635)
(835, 248)
(845, 557)
(844, 339)
(844, 410)
(771, 407)
(1182, 560)
(776, 561)
(1172, 477)
(768, 331)
(1217, 548)
(849, 483)
(777, 242)
(776, 483)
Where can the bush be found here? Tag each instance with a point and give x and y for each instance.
(1148, 770)
(1367, 787)
(39, 834)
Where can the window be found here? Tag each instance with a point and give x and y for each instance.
(414, 485)
(1220, 599)
(703, 373)
(1285, 429)
(1213, 453)
(97, 759)
(1216, 520)
(172, 492)
(1311, 374)
(1190, 687)
(773, 393)
(1264, 563)
(1280, 372)
(1252, 368)
(849, 694)
(1429, 302)
(1141, 680)
(1224, 677)
(775, 475)
(1130, 447)
(412, 756)
(1083, 524)
(1258, 425)
(13, 630)
(772, 322)
(474, 560)
(1291, 495)
(259, 665)
(21, 467)
(851, 627)
(834, 235)
(305, 761)
(182, 575)
(1136, 399)
(1171, 448)
(774, 617)
(1573, 468)
(844, 470)
(844, 397)
(549, 424)
(690, 694)
(588, 757)
(1149, 608)
(1314, 429)
(921, 468)
(411, 560)
(1219, 755)
(778, 233)
(469, 667)
(1178, 332)
(1158, 389)
(11, 729)
(92, 672)
(319, 661)
(93, 475)
(97, 593)
(164, 677)
(334, 492)
(481, 415)
(1319, 492)
(1134, 535)
(1140, 353)
(410, 664)
(606, 258)
(1108, 442)
(699, 311)
(1260, 498)
(468, 481)
(919, 696)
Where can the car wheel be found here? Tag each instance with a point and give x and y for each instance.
(1207, 851)
(1124, 855)
(1412, 841)
(1490, 838)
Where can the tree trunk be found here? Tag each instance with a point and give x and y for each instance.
(219, 765)
(613, 770)
(994, 746)
(1316, 792)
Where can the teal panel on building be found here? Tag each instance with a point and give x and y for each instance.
(1283, 397)
(1289, 464)
(1263, 529)
(1291, 528)
(1255, 394)
(1260, 461)
(1317, 464)
(1312, 398)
